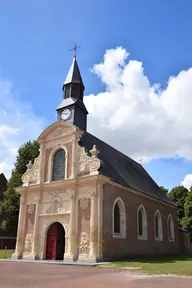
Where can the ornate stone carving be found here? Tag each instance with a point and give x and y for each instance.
(54, 195)
(84, 243)
(60, 131)
(84, 203)
(30, 208)
(28, 243)
(31, 176)
(86, 164)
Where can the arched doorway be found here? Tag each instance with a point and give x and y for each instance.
(55, 247)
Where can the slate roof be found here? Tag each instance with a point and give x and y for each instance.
(74, 75)
(71, 101)
(122, 169)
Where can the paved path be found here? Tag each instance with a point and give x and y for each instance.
(56, 276)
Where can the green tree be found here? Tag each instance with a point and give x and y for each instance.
(9, 206)
(187, 219)
(165, 190)
(178, 195)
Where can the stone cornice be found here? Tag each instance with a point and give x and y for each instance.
(68, 183)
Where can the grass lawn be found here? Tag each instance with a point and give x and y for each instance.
(180, 265)
(7, 255)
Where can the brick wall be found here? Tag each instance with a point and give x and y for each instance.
(132, 246)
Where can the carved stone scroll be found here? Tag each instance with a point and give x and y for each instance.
(86, 164)
(32, 175)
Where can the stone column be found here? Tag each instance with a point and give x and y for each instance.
(72, 241)
(93, 227)
(21, 229)
(36, 231)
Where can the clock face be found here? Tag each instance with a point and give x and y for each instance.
(65, 114)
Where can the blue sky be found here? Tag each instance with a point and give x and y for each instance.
(34, 59)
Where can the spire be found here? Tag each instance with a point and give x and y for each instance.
(74, 75)
(72, 108)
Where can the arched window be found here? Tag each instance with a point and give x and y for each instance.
(58, 172)
(158, 226)
(141, 223)
(119, 219)
(171, 233)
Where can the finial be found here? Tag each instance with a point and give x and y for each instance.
(94, 152)
(29, 165)
(75, 49)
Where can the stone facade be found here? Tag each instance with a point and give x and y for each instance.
(73, 202)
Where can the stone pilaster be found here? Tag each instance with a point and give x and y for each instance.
(21, 229)
(74, 150)
(34, 253)
(72, 235)
(42, 162)
(93, 227)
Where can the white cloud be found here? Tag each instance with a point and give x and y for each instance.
(187, 182)
(138, 118)
(18, 124)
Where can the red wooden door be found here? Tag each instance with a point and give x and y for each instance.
(51, 247)
(51, 242)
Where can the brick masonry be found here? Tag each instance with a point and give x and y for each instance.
(131, 245)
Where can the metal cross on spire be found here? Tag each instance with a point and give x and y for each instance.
(75, 49)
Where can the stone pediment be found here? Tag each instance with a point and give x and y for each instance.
(56, 130)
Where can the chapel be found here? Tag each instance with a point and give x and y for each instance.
(83, 200)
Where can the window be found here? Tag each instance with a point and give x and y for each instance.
(67, 92)
(171, 233)
(158, 226)
(141, 223)
(119, 219)
(58, 165)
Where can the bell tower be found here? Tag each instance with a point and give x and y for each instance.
(72, 108)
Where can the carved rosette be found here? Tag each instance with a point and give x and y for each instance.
(31, 176)
(28, 243)
(86, 164)
(30, 208)
(84, 243)
(84, 203)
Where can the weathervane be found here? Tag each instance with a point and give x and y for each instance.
(75, 49)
